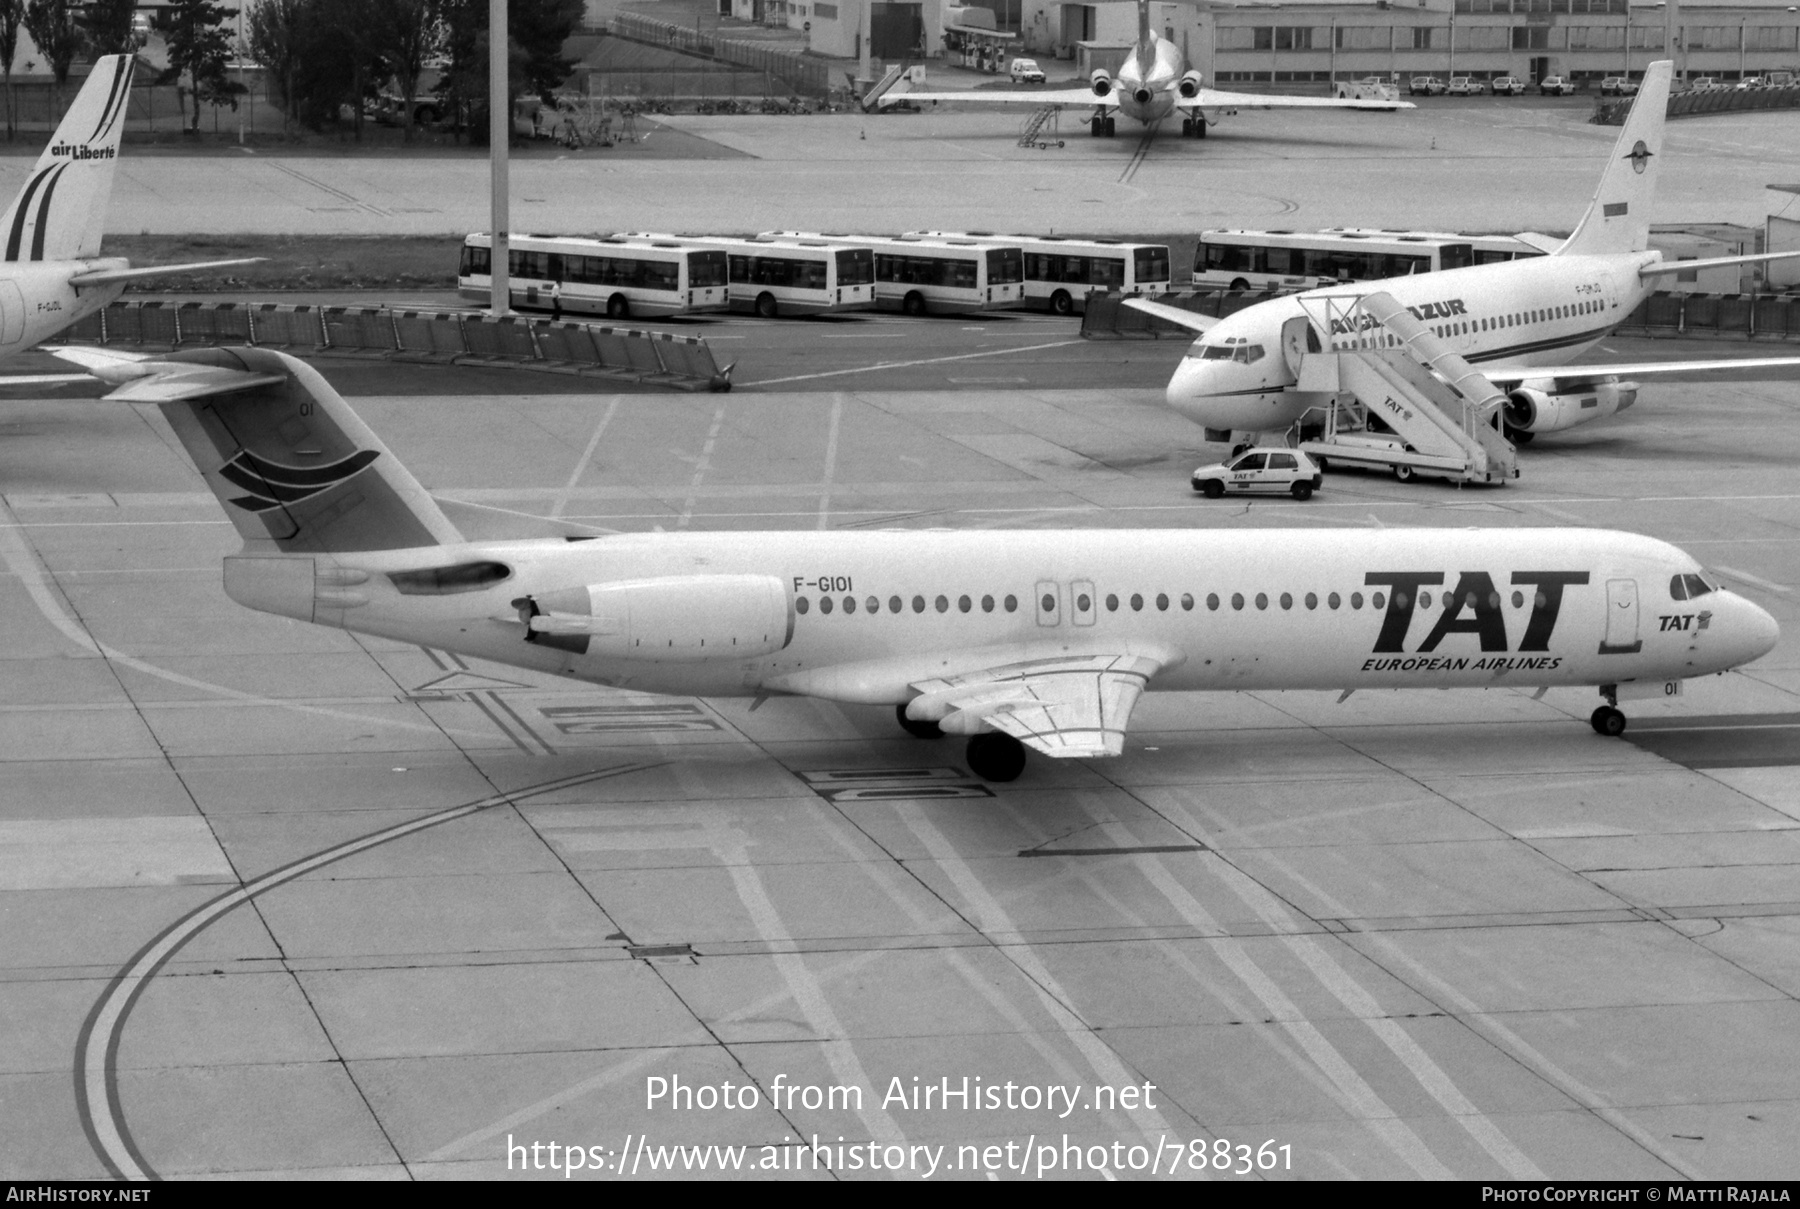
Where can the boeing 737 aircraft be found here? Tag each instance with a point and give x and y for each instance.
(1516, 321)
(1040, 639)
(1150, 86)
(52, 273)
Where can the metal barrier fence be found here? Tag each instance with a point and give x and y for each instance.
(656, 358)
(1698, 316)
(1712, 100)
(801, 74)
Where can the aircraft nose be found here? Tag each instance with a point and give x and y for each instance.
(1761, 632)
(1186, 385)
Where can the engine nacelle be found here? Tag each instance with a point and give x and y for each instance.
(1189, 87)
(673, 619)
(1101, 82)
(1532, 410)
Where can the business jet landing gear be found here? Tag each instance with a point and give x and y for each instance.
(918, 728)
(1607, 719)
(994, 756)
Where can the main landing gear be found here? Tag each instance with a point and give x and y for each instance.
(1102, 127)
(1607, 719)
(992, 756)
(1193, 128)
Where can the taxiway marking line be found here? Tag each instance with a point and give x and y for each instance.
(831, 450)
(700, 469)
(868, 369)
(587, 456)
(97, 1047)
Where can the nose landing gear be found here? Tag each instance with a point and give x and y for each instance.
(1607, 719)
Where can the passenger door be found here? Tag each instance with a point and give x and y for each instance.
(1281, 473)
(1247, 473)
(1621, 618)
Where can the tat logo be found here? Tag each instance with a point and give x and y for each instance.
(1473, 608)
(1688, 622)
(273, 485)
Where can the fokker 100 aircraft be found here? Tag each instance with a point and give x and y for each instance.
(52, 273)
(1518, 322)
(1151, 85)
(1040, 639)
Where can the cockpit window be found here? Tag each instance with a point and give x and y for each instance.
(1248, 353)
(1690, 587)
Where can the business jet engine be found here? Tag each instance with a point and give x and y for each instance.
(1101, 83)
(1531, 409)
(670, 619)
(1189, 87)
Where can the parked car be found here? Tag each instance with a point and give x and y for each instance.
(1425, 86)
(1618, 86)
(1508, 86)
(1277, 471)
(1704, 84)
(1556, 86)
(1780, 79)
(1465, 86)
(1749, 82)
(1026, 71)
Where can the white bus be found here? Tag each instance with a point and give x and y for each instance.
(1061, 272)
(617, 278)
(790, 276)
(1303, 260)
(940, 276)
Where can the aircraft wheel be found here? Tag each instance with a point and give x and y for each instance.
(1199, 128)
(1061, 303)
(1187, 128)
(765, 305)
(1096, 127)
(1213, 489)
(913, 303)
(994, 756)
(918, 728)
(618, 307)
(1608, 721)
(1302, 491)
(1112, 127)
(1403, 473)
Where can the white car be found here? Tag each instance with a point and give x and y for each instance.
(1508, 86)
(1026, 71)
(1556, 86)
(1277, 471)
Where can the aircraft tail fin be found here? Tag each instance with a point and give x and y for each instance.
(60, 213)
(292, 464)
(1618, 219)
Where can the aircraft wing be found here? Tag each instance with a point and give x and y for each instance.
(140, 378)
(1212, 98)
(1066, 706)
(1512, 375)
(1021, 96)
(106, 276)
(1191, 320)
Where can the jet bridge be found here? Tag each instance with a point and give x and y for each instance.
(1440, 410)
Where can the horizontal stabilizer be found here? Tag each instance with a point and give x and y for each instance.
(1212, 98)
(482, 523)
(1538, 240)
(143, 379)
(108, 276)
(1191, 320)
(1666, 267)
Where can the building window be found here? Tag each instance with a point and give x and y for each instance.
(1262, 37)
(1293, 37)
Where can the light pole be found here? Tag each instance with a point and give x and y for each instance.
(499, 132)
(1452, 44)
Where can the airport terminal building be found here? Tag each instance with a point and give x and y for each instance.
(1319, 40)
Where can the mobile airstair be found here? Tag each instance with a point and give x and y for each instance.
(1437, 413)
(1034, 135)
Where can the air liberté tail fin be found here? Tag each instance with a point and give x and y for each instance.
(1618, 219)
(60, 212)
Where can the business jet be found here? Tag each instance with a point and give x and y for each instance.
(1152, 84)
(52, 274)
(1028, 639)
(1518, 322)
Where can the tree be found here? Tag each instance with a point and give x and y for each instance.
(11, 13)
(107, 25)
(537, 29)
(278, 35)
(198, 47)
(51, 24)
(408, 32)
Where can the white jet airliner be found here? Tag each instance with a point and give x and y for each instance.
(1040, 639)
(51, 273)
(1152, 83)
(1516, 321)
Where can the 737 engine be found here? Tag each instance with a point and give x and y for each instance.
(1530, 409)
(671, 619)
(1189, 87)
(1102, 84)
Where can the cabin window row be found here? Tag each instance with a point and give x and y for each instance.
(1463, 328)
(1162, 602)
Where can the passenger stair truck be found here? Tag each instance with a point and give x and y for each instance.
(1440, 408)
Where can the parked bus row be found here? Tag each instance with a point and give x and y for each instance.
(935, 272)
(809, 273)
